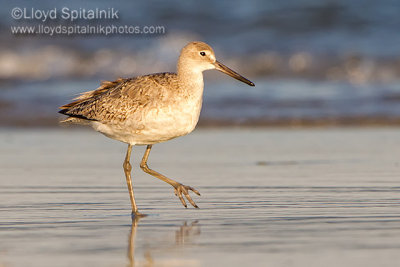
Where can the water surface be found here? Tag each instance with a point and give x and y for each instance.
(269, 198)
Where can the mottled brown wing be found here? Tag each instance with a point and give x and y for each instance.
(84, 105)
(114, 101)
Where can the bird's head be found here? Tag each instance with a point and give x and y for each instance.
(199, 56)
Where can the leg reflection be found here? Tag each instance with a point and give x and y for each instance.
(183, 235)
(186, 232)
(131, 246)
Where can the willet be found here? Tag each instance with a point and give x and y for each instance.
(150, 109)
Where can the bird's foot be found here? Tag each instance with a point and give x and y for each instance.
(184, 189)
(137, 215)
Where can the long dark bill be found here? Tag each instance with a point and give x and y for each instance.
(222, 68)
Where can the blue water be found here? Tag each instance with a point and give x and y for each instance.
(271, 102)
(310, 60)
(330, 32)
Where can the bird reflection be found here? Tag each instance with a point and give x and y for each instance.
(183, 236)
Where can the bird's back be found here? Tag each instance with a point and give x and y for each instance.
(114, 102)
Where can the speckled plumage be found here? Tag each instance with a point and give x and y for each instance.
(150, 109)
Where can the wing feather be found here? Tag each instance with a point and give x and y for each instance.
(115, 101)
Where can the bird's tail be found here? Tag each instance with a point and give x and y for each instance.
(73, 120)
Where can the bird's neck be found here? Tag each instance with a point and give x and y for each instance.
(190, 80)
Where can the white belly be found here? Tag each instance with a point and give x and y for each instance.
(155, 125)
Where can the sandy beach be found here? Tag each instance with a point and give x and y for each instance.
(270, 197)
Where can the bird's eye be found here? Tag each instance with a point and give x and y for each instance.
(202, 53)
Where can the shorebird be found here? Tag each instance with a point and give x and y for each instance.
(150, 109)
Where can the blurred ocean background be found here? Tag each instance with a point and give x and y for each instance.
(314, 62)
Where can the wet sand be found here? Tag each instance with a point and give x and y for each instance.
(270, 197)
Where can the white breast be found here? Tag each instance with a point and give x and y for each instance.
(170, 122)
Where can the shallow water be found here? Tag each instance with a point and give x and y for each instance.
(269, 198)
